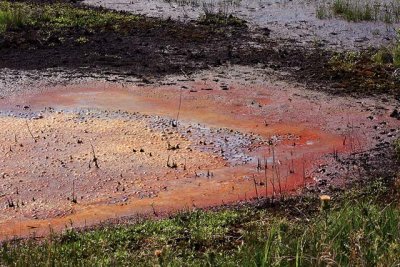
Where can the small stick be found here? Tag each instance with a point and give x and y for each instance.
(292, 160)
(94, 158)
(154, 210)
(30, 132)
(304, 173)
(74, 200)
(266, 178)
(179, 108)
(255, 185)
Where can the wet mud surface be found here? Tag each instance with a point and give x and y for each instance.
(93, 150)
(151, 48)
(290, 20)
(169, 114)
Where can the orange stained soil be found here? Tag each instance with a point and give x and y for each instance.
(228, 145)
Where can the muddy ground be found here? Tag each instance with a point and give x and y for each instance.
(173, 115)
(293, 20)
(232, 123)
(152, 48)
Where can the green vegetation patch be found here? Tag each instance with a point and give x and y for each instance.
(354, 11)
(362, 10)
(345, 61)
(354, 230)
(221, 19)
(389, 55)
(12, 18)
(358, 233)
(367, 72)
(17, 16)
(397, 148)
(186, 236)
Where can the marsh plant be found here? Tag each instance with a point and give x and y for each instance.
(12, 18)
(388, 55)
(387, 11)
(345, 61)
(201, 3)
(220, 13)
(397, 148)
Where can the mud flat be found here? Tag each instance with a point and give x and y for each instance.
(92, 150)
(293, 20)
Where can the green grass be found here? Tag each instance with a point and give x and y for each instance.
(360, 10)
(123, 245)
(221, 19)
(397, 147)
(352, 10)
(346, 61)
(388, 55)
(16, 16)
(359, 233)
(198, 3)
(396, 55)
(356, 230)
(383, 56)
(59, 16)
(11, 18)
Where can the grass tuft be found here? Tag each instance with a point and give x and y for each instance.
(221, 19)
(397, 148)
(360, 10)
(396, 56)
(12, 18)
(383, 56)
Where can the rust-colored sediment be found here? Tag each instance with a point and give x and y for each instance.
(222, 135)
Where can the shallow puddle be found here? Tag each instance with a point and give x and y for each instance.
(232, 142)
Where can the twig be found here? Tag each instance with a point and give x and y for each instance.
(30, 132)
(255, 185)
(266, 178)
(154, 210)
(94, 159)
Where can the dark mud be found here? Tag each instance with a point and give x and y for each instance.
(152, 48)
